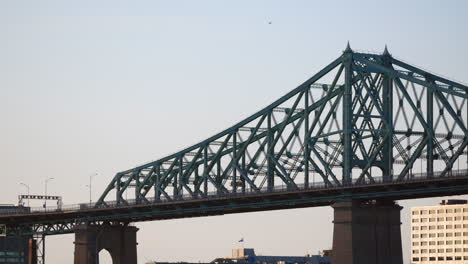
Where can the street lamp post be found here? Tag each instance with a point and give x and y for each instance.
(90, 187)
(45, 193)
(27, 187)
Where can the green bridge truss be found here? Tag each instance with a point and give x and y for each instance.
(377, 119)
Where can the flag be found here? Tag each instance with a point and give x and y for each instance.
(241, 240)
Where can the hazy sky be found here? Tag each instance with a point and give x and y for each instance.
(105, 85)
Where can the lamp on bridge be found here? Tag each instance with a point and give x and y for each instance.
(90, 187)
(45, 192)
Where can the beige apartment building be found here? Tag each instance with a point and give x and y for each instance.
(439, 234)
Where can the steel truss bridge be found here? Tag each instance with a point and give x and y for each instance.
(367, 126)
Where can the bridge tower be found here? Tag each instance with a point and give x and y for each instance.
(367, 231)
(118, 239)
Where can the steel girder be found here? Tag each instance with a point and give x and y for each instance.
(377, 117)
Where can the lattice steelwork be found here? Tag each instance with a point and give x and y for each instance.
(378, 119)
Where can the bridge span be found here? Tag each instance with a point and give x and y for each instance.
(54, 221)
(381, 130)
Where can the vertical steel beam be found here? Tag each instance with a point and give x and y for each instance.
(387, 100)
(205, 166)
(39, 240)
(234, 172)
(244, 170)
(175, 180)
(157, 176)
(137, 186)
(270, 155)
(347, 116)
(43, 249)
(118, 182)
(306, 140)
(181, 176)
(430, 131)
(218, 179)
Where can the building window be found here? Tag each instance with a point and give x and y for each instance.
(424, 243)
(440, 242)
(415, 259)
(457, 242)
(440, 250)
(441, 211)
(423, 220)
(415, 235)
(457, 210)
(449, 242)
(415, 220)
(448, 218)
(440, 227)
(432, 227)
(424, 212)
(448, 211)
(440, 258)
(458, 218)
(416, 251)
(415, 227)
(458, 250)
(431, 243)
(448, 227)
(415, 212)
(440, 219)
(432, 235)
(457, 234)
(449, 250)
(449, 234)
(465, 209)
(415, 243)
(431, 211)
(423, 227)
(458, 257)
(440, 235)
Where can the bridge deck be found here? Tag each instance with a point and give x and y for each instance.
(416, 186)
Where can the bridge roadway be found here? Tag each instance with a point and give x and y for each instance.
(415, 186)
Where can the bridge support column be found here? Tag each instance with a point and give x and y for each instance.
(367, 233)
(119, 240)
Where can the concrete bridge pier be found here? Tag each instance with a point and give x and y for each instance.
(119, 240)
(367, 233)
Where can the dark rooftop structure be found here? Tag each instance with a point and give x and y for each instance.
(248, 256)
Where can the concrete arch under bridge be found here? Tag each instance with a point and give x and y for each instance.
(117, 239)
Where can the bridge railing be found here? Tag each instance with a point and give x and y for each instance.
(416, 177)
